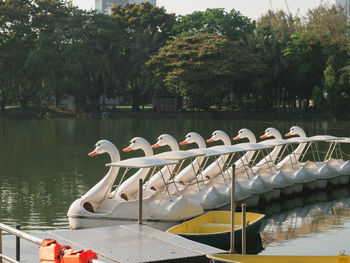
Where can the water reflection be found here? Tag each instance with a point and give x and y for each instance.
(313, 216)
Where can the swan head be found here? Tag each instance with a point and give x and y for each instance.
(164, 140)
(271, 132)
(105, 146)
(219, 135)
(139, 143)
(102, 146)
(194, 137)
(245, 133)
(296, 130)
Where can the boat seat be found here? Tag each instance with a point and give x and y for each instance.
(214, 227)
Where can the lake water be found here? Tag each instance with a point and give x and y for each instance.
(45, 167)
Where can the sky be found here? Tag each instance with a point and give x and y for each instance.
(250, 8)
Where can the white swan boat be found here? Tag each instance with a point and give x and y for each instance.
(327, 171)
(295, 174)
(266, 166)
(337, 163)
(201, 191)
(245, 177)
(101, 204)
(172, 194)
(214, 188)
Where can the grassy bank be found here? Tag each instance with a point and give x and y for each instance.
(15, 112)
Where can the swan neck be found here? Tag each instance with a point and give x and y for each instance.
(147, 149)
(226, 140)
(250, 136)
(301, 133)
(174, 146)
(114, 155)
(299, 149)
(275, 152)
(201, 143)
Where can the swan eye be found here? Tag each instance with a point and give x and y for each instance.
(161, 138)
(189, 136)
(134, 142)
(98, 145)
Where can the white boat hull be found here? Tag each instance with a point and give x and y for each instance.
(157, 206)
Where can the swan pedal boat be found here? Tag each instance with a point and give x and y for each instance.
(214, 192)
(295, 177)
(214, 228)
(157, 205)
(234, 258)
(246, 179)
(332, 171)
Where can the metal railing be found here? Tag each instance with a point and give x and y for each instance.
(20, 234)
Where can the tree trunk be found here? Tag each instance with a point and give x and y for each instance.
(3, 101)
(136, 100)
(256, 98)
(22, 98)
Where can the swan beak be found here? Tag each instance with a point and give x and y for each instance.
(93, 153)
(210, 140)
(236, 138)
(128, 149)
(288, 134)
(183, 143)
(155, 145)
(263, 136)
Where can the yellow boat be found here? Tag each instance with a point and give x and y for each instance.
(214, 228)
(233, 258)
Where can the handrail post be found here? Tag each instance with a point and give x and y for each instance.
(233, 208)
(140, 202)
(0, 245)
(18, 245)
(244, 233)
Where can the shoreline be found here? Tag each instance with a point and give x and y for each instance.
(262, 116)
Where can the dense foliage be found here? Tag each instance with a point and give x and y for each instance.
(214, 59)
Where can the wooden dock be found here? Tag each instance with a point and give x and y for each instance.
(123, 243)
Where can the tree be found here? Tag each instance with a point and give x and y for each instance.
(306, 61)
(21, 23)
(204, 67)
(147, 28)
(271, 36)
(329, 23)
(231, 24)
(91, 46)
(17, 40)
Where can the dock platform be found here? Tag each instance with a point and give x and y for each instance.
(123, 243)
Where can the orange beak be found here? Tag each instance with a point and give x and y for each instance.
(210, 140)
(128, 149)
(236, 138)
(263, 136)
(288, 134)
(183, 143)
(155, 145)
(93, 153)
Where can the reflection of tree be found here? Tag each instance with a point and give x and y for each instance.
(316, 221)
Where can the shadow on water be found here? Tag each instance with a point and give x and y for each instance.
(254, 245)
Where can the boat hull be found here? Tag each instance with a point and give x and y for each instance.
(89, 222)
(214, 228)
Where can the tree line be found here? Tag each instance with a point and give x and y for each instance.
(214, 59)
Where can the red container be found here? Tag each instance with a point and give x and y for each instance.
(50, 251)
(78, 256)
